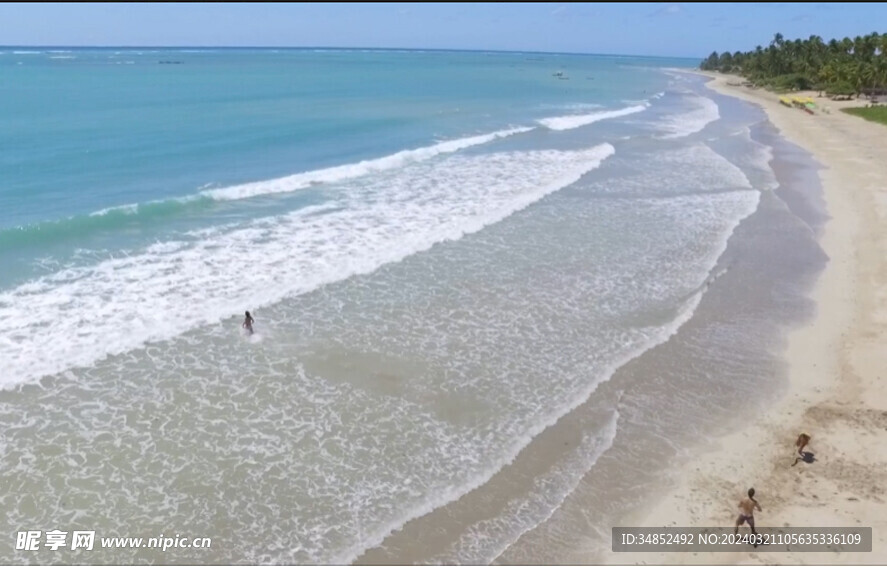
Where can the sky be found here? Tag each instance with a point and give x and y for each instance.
(659, 29)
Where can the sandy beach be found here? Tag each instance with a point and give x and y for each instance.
(837, 370)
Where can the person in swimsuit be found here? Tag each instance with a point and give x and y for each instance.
(747, 508)
(248, 323)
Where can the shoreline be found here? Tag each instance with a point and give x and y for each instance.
(835, 370)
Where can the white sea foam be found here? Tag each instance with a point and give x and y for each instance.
(440, 498)
(703, 112)
(329, 175)
(354, 170)
(74, 317)
(576, 120)
(572, 106)
(685, 220)
(758, 161)
(688, 169)
(129, 209)
(481, 543)
(677, 74)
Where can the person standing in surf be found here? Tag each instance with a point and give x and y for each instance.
(248, 323)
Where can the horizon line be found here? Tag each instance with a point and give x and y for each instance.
(264, 47)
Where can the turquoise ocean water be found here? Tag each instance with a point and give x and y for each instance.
(91, 131)
(444, 253)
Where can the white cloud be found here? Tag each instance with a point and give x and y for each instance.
(667, 10)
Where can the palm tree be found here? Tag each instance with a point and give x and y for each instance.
(710, 63)
(828, 75)
(881, 70)
(841, 65)
(725, 64)
(834, 46)
(867, 75)
(867, 46)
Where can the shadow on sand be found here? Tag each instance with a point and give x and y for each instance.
(806, 456)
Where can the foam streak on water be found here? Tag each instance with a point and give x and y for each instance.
(576, 120)
(478, 545)
(703, 111)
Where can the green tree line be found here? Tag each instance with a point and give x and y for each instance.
(841, 66)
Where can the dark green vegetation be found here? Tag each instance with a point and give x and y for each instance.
(875, 113)
(842, 67)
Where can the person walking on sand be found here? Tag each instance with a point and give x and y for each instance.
(801, 443)
(248, 323)
(747, 508)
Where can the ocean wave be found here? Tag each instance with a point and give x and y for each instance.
(703, 112)
(571, 106)
(115, 217)
(104, 220)
(664, 174)
(477, 545)
(482, 542)
(74, 317)
(353, 170)
(576, 120)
